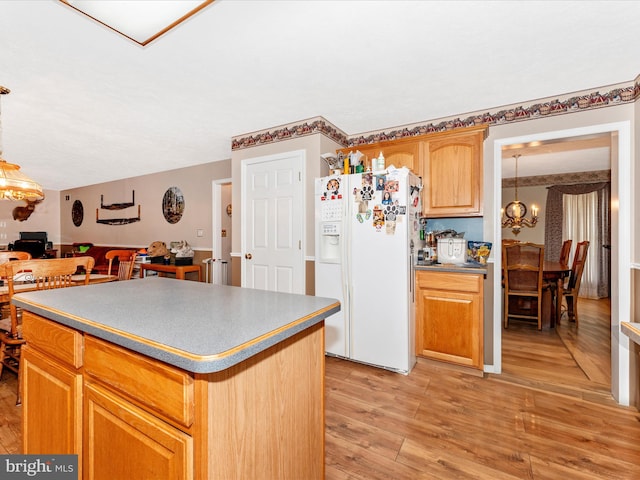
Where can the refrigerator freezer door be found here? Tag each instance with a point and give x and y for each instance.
(329, 271)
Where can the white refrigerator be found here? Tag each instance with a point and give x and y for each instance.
(367, 237)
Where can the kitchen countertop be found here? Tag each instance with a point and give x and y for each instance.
(444, 267)
(196, 326)
(631, 330)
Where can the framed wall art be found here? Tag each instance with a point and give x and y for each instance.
(173, 205)
(77, 213)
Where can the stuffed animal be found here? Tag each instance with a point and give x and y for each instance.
(158, 249)
(182, 249)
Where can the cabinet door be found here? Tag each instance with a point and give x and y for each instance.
(449, 318)
(452, 176)
(397, 153)
(402, 155)
(123, 441)
(52, 405)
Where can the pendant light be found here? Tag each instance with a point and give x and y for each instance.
(15, 185)
(516, 211)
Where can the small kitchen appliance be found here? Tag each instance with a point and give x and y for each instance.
(452, 250)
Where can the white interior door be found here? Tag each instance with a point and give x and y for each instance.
(273, 223)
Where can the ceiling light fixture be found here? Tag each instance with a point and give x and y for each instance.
(141, 21)
(15, 185)
(516, 211)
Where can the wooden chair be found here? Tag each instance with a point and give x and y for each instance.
(505, 242)
(7, 255)
(571, 291)
(525, 294)
(565, 251)
(40, 274)
(126, 262)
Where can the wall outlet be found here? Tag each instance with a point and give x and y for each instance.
(224, 233)
(199, 233)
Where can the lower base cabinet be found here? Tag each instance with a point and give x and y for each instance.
(124, 441)
(449, 317)
(129, 416)
(59, 409)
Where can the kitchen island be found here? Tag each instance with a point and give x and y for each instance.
(159, 378)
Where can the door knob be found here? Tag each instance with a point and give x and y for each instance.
(248, 256)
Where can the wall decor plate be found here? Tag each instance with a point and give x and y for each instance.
(173, 205)
(77, 213)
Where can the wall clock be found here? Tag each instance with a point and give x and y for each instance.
(173, 205)
(77, 213)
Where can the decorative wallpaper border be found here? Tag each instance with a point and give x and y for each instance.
(551, 106)
(287, 132)
(559, 179)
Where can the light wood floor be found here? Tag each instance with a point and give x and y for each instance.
(549, 416)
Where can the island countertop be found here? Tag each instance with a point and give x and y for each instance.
(199, 327)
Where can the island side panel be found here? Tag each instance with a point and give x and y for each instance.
(266, 414)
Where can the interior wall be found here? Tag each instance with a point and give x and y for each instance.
(45, 218)
(194, 183)
(313, 145)
(634, 350)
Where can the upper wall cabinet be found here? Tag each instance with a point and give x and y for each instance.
(404, 152)
(452, 174)
(450, 164)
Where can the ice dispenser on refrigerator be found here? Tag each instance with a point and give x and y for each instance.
(329, 247)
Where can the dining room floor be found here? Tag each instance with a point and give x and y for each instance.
(574, 360)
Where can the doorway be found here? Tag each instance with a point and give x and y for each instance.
(218, 266)
(620, 244)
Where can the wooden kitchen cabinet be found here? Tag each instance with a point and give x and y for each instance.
(450, 164)
(452, 174)
(51, 379)
(404, 152)
(127, 415)
(449, 317)
(123, 441)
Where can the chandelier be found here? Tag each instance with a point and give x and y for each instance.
(515, 213)
(15, 185)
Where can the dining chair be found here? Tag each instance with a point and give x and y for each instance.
(7, 255)
(571, 291)
(565, 251)
(126, 261)
(505, 242)
(526, 296)
(39, 274)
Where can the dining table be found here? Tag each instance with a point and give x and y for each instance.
(555, 272)
(77, 279)
(93, 278)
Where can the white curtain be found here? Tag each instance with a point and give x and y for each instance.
(581, 222)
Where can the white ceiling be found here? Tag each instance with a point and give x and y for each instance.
(87, 105)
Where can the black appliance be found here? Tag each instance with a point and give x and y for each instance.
(33, 242)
